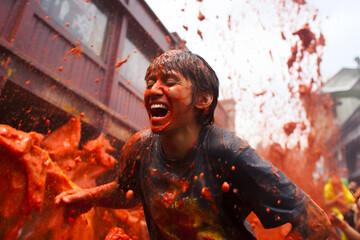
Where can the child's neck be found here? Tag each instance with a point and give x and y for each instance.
(178, 142)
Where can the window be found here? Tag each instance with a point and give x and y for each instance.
(88, 21)
(135, 68)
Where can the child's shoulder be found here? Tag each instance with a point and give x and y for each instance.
(220, 139)
(224, 135)
(140, 137)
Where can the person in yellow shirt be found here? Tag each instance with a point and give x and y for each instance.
(338, 198)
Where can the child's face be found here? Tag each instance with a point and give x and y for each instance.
(167, 100)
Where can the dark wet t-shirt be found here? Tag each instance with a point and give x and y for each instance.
(184, 199)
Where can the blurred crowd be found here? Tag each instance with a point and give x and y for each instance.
(342, 204)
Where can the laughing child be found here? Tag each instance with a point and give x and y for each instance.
(195, 180)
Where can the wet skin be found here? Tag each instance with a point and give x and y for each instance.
(167, 101)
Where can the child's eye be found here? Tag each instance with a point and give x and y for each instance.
(149, 84)
(170, 82)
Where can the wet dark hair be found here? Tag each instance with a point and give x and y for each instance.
(194, 68)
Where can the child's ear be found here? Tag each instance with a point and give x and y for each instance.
(204, 101)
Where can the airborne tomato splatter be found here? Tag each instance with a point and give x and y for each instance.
(201, 17)
(129, 194)
(225, 187)
(200, 34)
(289, 127)
(120, 63)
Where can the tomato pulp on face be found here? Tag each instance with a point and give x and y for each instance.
(167, 101)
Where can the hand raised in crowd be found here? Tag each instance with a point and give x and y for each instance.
(351, 233)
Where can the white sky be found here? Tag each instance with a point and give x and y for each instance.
(249, 54)
(340, 26)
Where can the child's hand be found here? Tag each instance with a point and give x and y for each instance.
(75, 202)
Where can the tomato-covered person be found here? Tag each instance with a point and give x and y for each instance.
(195, 180)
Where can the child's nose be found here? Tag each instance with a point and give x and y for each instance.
(157, 88)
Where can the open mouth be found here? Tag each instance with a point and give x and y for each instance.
(158, 110)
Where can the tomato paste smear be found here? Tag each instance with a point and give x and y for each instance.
(36, 168)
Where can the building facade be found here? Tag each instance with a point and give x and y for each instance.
(344, 88)
(60, 59)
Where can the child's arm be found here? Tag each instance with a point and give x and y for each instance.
(313, 224)
(109, 195)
